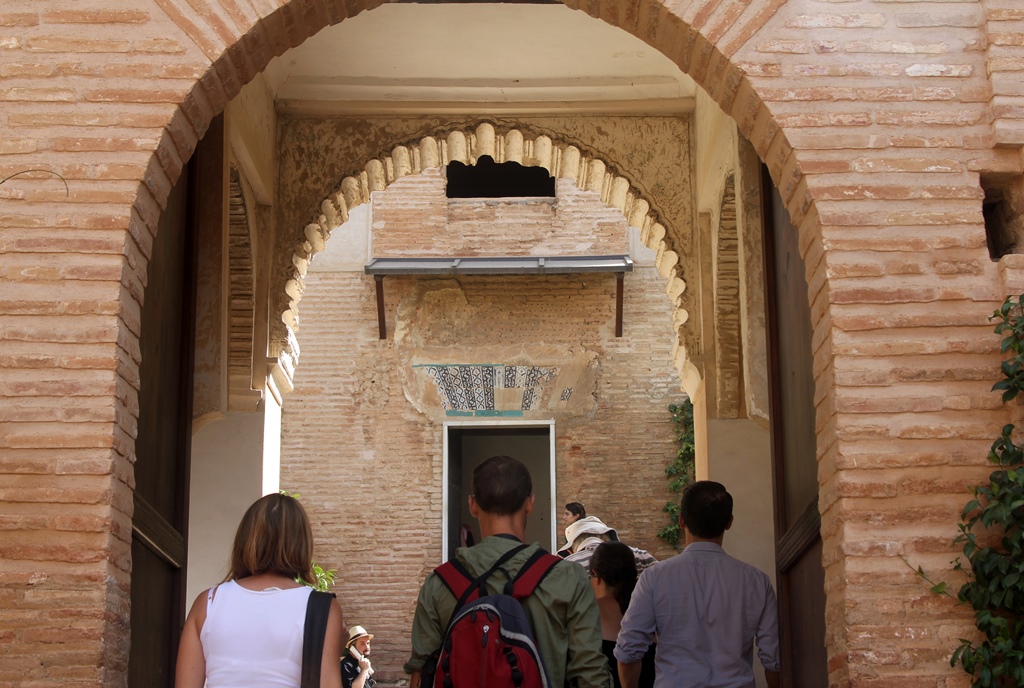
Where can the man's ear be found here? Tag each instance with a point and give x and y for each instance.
(729, 525)
(474, 508)
(528, 505)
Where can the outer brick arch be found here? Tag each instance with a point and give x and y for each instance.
(899, 435)
(699, 37)
(561, 159)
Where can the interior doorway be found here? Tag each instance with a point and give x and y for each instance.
(467, 445)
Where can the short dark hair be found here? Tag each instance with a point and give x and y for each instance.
(706, 509)
(501, 485)
(576, 509)
(273, 537)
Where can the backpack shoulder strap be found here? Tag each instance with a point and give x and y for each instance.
(460, 581)
(536, 568)
(455, 577)
(318, 608)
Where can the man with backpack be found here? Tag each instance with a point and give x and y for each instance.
(467, 608)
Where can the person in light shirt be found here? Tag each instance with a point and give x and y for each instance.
(706, 608)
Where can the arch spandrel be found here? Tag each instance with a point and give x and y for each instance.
(562, 160)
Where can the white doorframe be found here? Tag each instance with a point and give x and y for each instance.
(497, 424)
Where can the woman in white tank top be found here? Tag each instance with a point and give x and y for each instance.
(247, 632)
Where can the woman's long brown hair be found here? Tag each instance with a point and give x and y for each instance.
(273, 537)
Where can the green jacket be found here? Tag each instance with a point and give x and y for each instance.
(562, 612)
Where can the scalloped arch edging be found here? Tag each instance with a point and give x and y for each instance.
(561, 160)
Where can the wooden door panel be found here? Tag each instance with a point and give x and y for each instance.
(161, 475)
(152, 656)
(160, 522)
(805, 620)
(798, 546)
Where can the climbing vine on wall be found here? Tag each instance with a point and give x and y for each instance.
(680, 470)
(992, 535)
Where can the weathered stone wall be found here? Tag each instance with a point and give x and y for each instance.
(875, 120)
(362, 436)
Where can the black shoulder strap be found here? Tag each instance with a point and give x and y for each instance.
(318, 608)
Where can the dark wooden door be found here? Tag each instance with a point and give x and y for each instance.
(162, 447)
(801, 578)
(160, 525)
(456, 500)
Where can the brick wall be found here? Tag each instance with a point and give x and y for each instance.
(875, 120)
(575, 223)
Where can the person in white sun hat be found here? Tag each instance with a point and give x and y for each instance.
(586, 534)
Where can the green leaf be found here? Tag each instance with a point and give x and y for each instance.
(681, 468)
(995, 574)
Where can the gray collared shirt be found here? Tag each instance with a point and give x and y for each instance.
(708, 609)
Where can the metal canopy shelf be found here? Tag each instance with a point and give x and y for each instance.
(499, 265)
(504, 265)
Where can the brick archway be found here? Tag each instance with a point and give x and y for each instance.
(875, 145)
(228, 44)
(561, 159)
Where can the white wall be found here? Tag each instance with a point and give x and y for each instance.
(715, 151)
(740, 458)
(227, 476)
(271, 450)
(235, 454)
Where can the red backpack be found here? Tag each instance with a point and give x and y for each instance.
(489, 642)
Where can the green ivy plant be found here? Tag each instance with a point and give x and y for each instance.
(680, 471)
(324, 578)
(992, 535)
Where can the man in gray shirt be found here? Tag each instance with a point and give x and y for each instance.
(706, 608)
